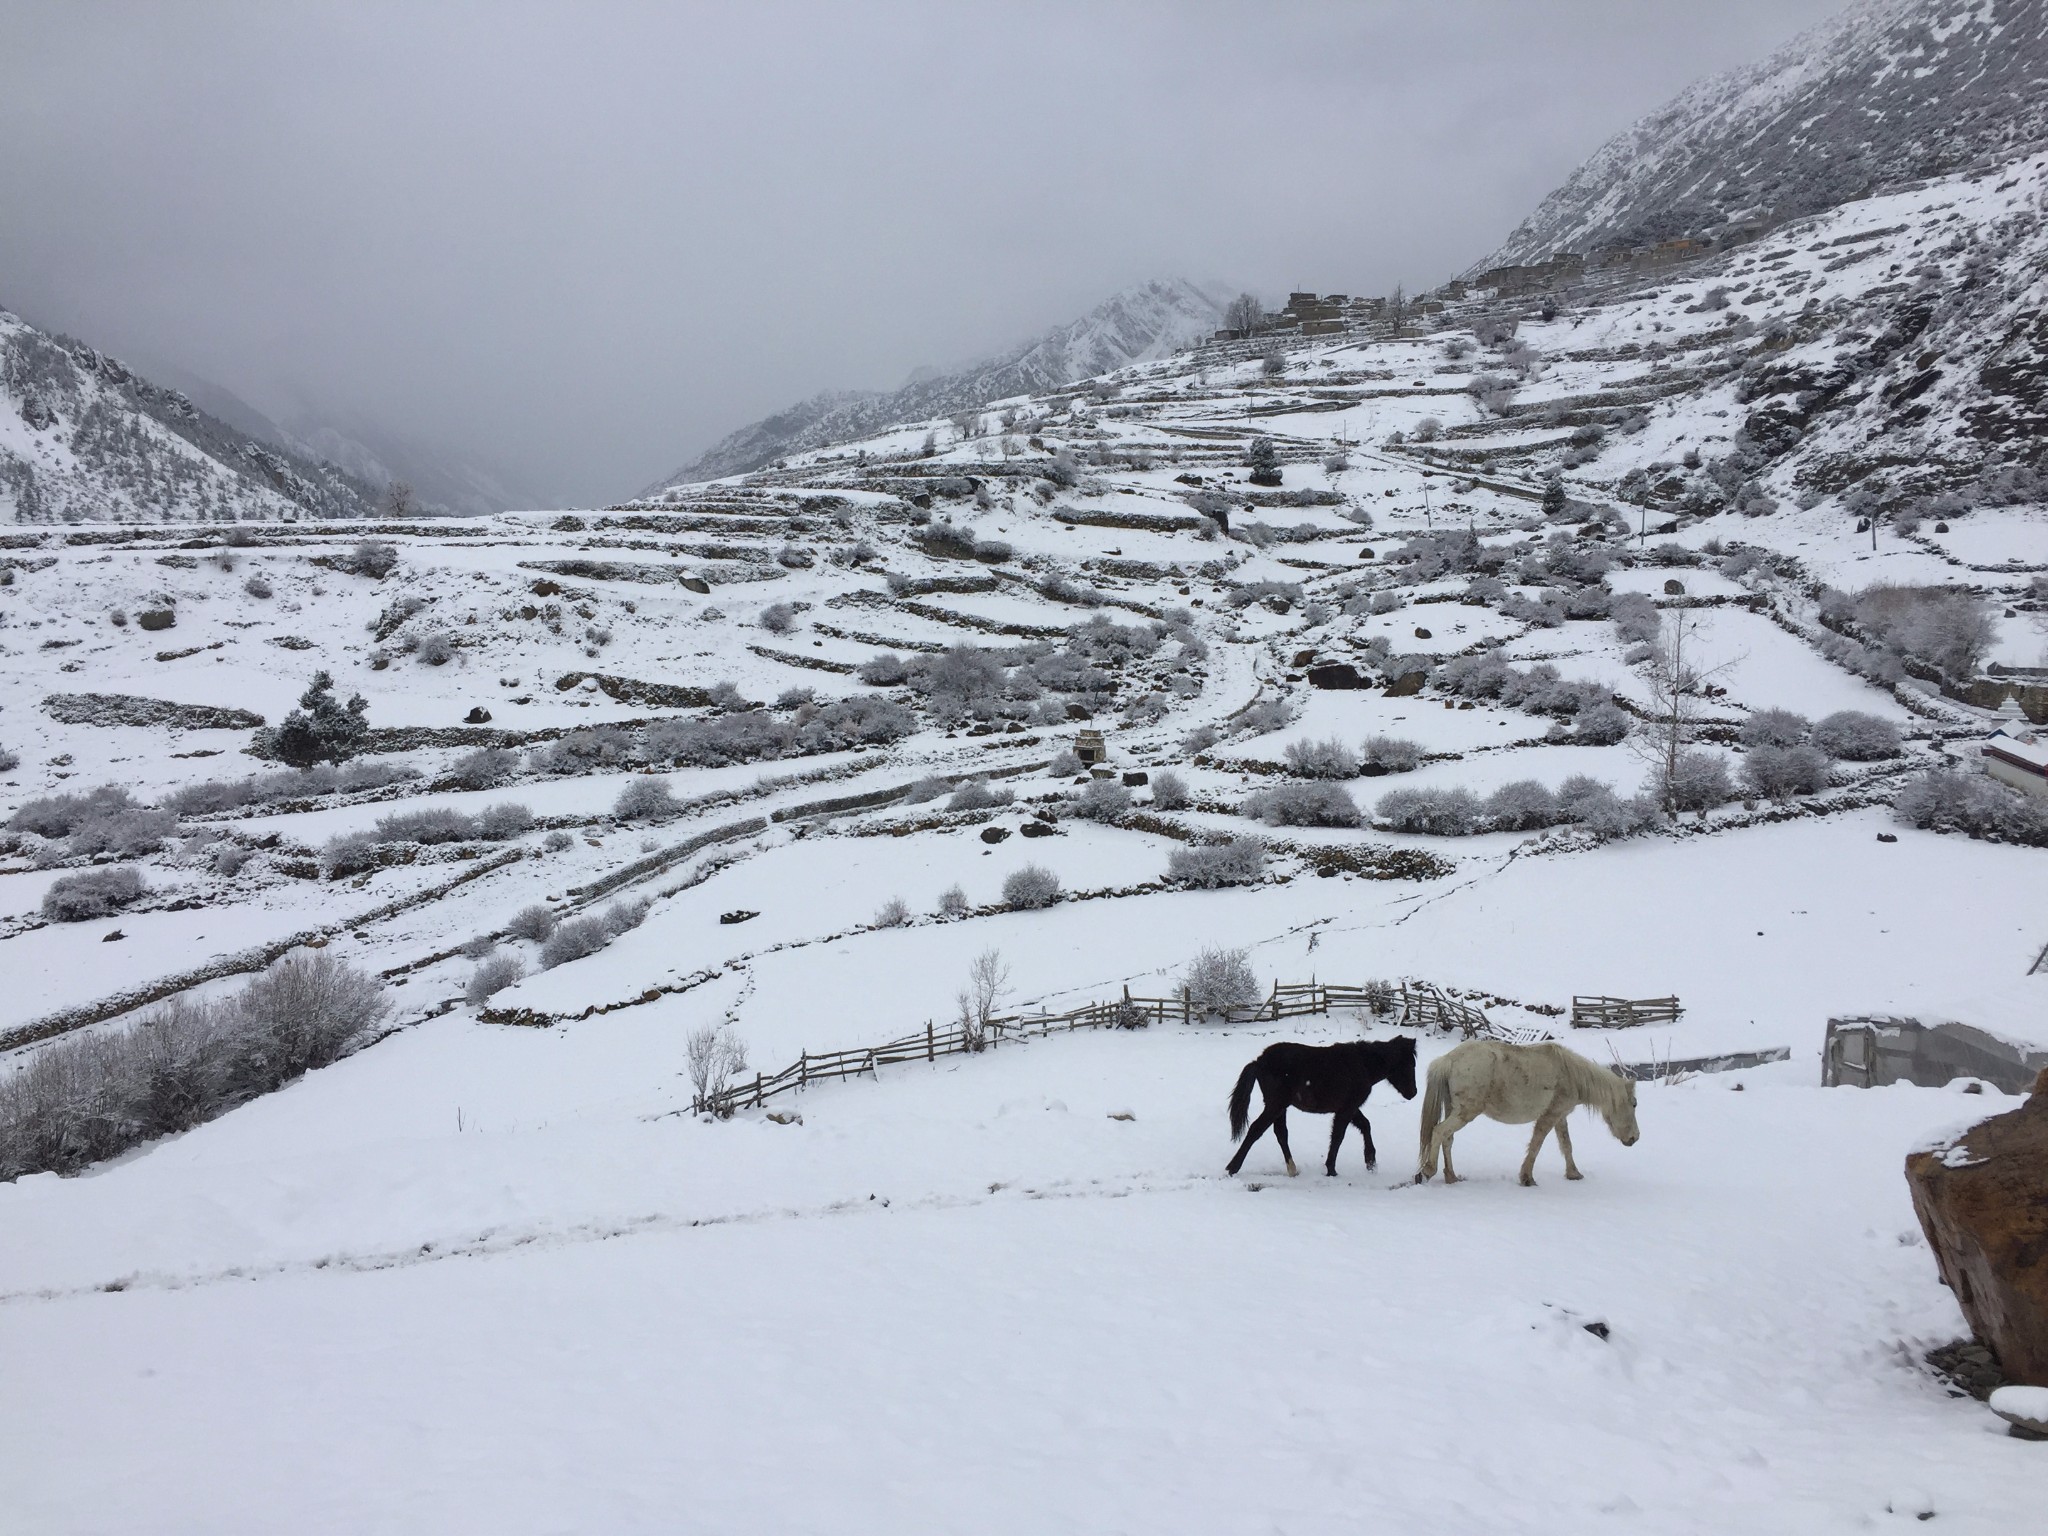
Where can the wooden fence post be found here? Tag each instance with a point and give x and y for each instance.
(929, 1053)
(803, 1069)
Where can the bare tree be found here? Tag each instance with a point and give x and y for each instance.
(966, 424)
(716, 1056)
(988, 981)
(1245, 315)
(1678, 694)
(399, 500)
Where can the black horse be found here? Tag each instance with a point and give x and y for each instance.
(1321, 1080)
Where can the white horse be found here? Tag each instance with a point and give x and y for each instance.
(1517, 1084)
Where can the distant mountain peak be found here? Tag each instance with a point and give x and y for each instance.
(1138, 324)
(1884, 94)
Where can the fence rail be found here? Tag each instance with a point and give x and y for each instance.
(1622, 1012)
(1419, 1005)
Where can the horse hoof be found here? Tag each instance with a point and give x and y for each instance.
(1574, 1174)
(1292, 1171)
(1370, 1167)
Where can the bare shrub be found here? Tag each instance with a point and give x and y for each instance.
(646, 799)
(503, 821)
(1327, 759)
(1169, 791)
(430, 824)
(980, 795)
(1438, 812)
(716, 1056)
(895, 913)
(350, 853)
(93, 893)
(1948, 629)
(953, 902)
(623, 916)
(96, 1095)
(1522, 806)
(1943, 800)
(572, 941)
(1065, 764)
(61, 815)
(1303, 805)
(988, 981)
(435, 649)
(1775, 728)
(1782, 772)
(927, 789)
(557, 840)
(1858, 737)
(778, 618)
(535, 922)
(256, 586)
(375, 558)
(885, 670)
(1241, 861)
(1390, 754)
(1031, 887)
(492, 977)
(483, 768)
(1699, 782)
(1104, 800)
(1219, 982)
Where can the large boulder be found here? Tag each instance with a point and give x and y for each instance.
(1982, 1199)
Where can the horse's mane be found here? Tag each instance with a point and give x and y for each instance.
(1593, 1083)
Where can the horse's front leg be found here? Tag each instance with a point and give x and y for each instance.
(1544, 1126)
(1280, 1135)
(1372, 1157)
(1564, 1145)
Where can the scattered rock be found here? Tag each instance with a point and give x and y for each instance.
(156, 618)
(785, 1117)
(994, 834)
(478, 715)
(131, 709)
(1122, 1114)
(1335, 674)
(1421, 633)
(1887, 837)
(1039, 829)
(1597, 1329)
(113, 938)
(2024, 1409)
(1137, 780)
(1674, 588)
(738, 915)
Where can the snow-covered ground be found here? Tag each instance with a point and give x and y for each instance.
(486, 1275)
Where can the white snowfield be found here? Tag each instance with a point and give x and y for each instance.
(487, 1275)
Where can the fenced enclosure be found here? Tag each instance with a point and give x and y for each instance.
(1623, 1012)
(1417, 1004)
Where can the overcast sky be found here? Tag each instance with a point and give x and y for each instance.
(583, 241)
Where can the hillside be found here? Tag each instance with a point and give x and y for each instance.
(1136, 325)
(85, 439)
(1888, 92)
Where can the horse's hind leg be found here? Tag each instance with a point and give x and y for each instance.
(1564, 1145)
(1258, 1129)
(1440, 1141)
(1372, 1157)
(1339, 1123)
(1280, 1135)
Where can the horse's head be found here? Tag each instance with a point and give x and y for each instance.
(1621, 1115)
(1401, 1068)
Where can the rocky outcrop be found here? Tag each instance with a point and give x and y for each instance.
(1982, 1199)
(133, 709)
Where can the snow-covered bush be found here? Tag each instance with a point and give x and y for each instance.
(1944, 800)
(894, 913)
(573, 940)
(1219, 982)
(1600, 725)
(1775, 728)
(535, 922)
(483, 768)
(1781, 772)
(350, 853)
(1949, 629)
(1326, 759)
(94, 1096)
(1860, 738)
(1699, 781)
(851, 723)
(62, 815)
(1439, 812)
(624, 916)
(1390, 754)
(1104, 800)
(1031, 887)
(1636, 619)
(502, 822)
(1521, 806)
(9, 761)
(375, 558)
(1241, 861)
(980, 795)
(557, 840)
(1065, 764)
(93, 893)
(927, 789)
(493, 976)
(953, 902)
(435, 649)
(778, 618)
(429, 824)
(256, 586)
(646, 799)
(212, 796)
(1169, 791)
(885, 670)
(1303, 805)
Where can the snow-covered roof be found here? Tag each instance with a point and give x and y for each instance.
(2022, 748)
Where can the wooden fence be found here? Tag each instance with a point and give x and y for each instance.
(1420, 1006)
(1622, 1012)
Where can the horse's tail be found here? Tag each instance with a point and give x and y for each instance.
(1436, 1097)
(1241, 1098)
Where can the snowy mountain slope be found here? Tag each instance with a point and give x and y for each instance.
(1888, 92)
(84, 439)
(1136, 325)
